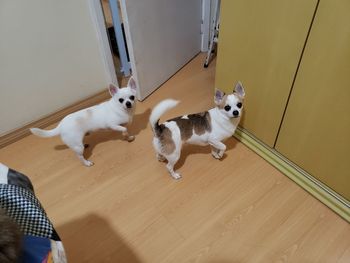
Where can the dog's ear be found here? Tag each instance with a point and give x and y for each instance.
(239, 89)
(132, 83)
(112, 89)
(219, 95)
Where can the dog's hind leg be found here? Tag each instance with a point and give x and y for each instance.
(172, 160)
(160, 157)
(76, 144)
(79, 150)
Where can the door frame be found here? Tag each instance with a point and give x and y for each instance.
(122, 49)
(205, 26)
(130, 46)
(98, 20)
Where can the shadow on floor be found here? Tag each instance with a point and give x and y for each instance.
(92, 239)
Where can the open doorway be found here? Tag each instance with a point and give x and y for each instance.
(115, 30)
(161, 35)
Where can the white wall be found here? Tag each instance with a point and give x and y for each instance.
(49, 58)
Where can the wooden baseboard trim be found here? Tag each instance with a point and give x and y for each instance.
(323, 193)
(22, 132)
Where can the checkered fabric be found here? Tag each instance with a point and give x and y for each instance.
(21, 205)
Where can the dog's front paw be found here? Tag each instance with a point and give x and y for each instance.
(130, 138)
(176, 176)
(88, 163)
(216, 154)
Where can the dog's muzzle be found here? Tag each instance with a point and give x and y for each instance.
(128, 104)
(235, 113)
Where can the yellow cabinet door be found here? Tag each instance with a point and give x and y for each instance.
(260, 43)
(315, 133)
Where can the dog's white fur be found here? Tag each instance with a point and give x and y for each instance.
(223, 126)
(111, 114)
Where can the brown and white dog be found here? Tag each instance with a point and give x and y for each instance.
(210, 127)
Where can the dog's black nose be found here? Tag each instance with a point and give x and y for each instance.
(235, 113)
(128, 104)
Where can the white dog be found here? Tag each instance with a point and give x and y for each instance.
(210, 127)
(111, 114)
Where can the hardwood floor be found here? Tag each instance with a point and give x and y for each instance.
(126, 208)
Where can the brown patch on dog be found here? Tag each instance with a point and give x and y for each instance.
(198, 123)
(81, 121)
(164, 135)
(223, 102)
(239, 97)
(89, 113)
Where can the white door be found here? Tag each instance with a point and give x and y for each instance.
(162, 36)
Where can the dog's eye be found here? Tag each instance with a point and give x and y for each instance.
(227, 107)
(121, 100)
(239, 105)
(132, 97)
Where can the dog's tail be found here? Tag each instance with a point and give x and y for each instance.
(45, 133)
(159, 110)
